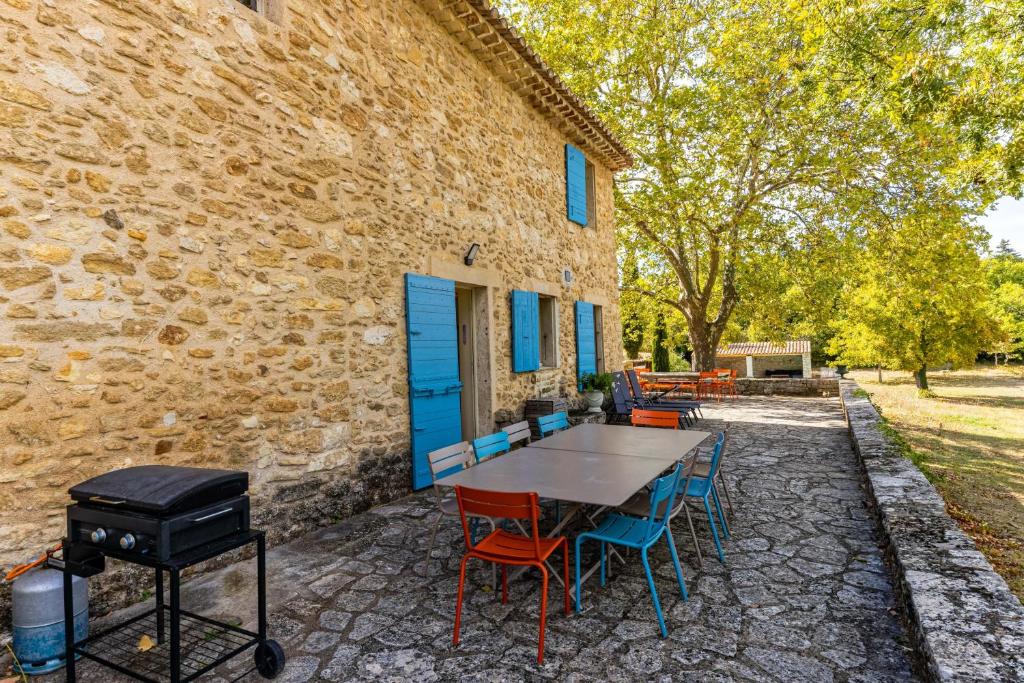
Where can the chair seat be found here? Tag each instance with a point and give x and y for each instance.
(501, 544)
(621, 530)
(640, 505)
(701, 470)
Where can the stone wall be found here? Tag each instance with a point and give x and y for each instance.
(965, 622)
(205, 217)
(762, 364)
(797, 386)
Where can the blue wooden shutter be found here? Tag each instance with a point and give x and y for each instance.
(586, 347)
(525, 331)
(434, 387)
(575, 185)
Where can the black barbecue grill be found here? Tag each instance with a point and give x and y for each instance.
(167, 518)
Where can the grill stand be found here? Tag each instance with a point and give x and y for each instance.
(210, 643)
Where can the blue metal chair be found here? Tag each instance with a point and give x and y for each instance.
(704, 488)
(489, 446)
(641, 534)
(549, 424)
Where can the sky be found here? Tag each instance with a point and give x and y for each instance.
(1005, 221)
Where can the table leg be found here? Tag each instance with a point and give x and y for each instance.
(569, 514)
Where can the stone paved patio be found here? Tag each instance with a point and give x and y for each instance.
(803, 595)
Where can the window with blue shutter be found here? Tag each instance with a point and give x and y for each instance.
(525, 331)
(575, 185)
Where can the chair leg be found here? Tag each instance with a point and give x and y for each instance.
(565, 560)
(504, 584)
(718, 507)
(543, 610)
(654, 592)
(714, 530)
(602, 564)
(458, 599)
(433, 535)
(494, 568)
(675, 561)
(725, 490)
(579, 575)
(693, 534)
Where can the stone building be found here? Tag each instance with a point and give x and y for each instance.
(207, 216)
(766, 359)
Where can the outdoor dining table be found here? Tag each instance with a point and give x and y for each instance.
(598, 465)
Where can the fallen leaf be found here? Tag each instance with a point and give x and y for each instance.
(146, 643)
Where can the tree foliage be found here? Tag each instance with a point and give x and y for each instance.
(660, 356)
(920, 300)
(760, 145)
(1005, 274)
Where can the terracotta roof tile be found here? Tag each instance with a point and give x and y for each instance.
(766, 348)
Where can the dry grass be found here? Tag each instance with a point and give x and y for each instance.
(969, 441)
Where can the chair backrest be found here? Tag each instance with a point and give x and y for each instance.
(634, 384)
(520, 431)
(654, 418)
(716, 456)
(708, 375)
(491, 445)
(620, 393)
(549, 424)
(450, 459)
(498, 505)
(663, 495)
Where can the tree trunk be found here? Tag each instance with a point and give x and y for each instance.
(921, 378)
(879, 374)
(704, 341)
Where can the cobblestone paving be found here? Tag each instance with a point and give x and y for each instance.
(803, 595)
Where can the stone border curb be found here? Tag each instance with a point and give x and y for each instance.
(965, 623)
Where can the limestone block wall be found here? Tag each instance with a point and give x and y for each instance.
(205, 216)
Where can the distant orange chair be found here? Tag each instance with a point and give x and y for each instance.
(710, 385)
(504, 548)
(727, 382)
(654, 418)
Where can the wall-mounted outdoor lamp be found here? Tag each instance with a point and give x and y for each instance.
(471, 254)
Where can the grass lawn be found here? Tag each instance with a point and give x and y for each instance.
(969, 441)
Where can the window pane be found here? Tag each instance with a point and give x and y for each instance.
(548, 332)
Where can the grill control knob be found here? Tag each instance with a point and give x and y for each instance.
(98, 535)
(127, 542)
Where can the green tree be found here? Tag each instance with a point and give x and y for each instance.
(750, 139)
(920, 300)
(660, 356)
(1005, 273)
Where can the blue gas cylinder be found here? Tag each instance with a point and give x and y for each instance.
(37, 603)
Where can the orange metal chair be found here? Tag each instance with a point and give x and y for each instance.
(727, 382)
(654, 418)
(504, 548)
(709, 385)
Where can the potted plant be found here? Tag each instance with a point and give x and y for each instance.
(594, 385)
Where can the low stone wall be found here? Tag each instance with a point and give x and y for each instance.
(965, 622)
(797, 386)
(762, 386)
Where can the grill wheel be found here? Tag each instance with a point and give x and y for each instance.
(269, 659)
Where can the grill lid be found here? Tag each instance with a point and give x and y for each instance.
(160, 489)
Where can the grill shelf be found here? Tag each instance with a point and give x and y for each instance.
(205, 644)
(202, 643)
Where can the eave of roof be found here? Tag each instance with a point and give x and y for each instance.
(740, 349)
(484, 32)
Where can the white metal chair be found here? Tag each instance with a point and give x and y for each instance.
(520, 431)
(446, 461)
